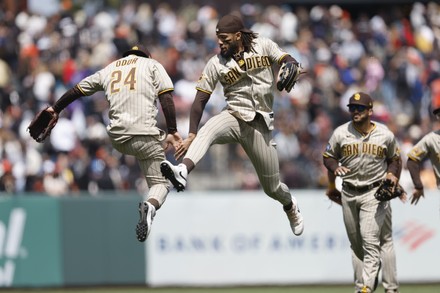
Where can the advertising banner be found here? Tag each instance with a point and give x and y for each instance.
(30, 248)
(99, 241)
(244, 238)
(66, 241)
(417, 239)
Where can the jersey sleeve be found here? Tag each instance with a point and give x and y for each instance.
(209, 78)
(420, 150)
(275, 53)
(393, 149)
(92, 83)
(332, 149)
(161, 79)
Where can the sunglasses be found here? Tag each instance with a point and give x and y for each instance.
(359, 108)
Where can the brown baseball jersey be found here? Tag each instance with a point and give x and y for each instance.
(428, 147)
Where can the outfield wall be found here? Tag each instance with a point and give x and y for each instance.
(198, 239)
(69, 241)
(244, 238)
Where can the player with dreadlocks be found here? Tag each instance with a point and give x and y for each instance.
(244, 69)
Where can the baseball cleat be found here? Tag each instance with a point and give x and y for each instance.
(295, 218)
(146, 214)
(175, 174)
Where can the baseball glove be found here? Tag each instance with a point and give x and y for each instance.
(385, 191)
(288, 75)
(42, 124)
(335, 196)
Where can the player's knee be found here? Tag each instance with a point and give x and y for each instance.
(272, 186)
(273, 192)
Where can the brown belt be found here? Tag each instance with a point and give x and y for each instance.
(364, 188)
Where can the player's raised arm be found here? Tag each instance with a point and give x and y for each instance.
(197, 108)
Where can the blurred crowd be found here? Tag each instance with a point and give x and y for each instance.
(392, 53)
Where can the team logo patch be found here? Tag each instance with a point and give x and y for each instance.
(357, 97)
(328, 148)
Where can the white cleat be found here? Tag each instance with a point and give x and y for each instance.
(295, 218)
(146, 215)
(176, 174)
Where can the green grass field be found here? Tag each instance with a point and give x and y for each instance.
(406, 288)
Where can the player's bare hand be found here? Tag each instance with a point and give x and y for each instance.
(184, 146)
(403, 198)
(174, 140)
(393, 180)
(416, 195)
(341, 171)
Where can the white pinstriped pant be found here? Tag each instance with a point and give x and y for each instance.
(387, 255)
(256, 140)
(363, 218)
(149, 153)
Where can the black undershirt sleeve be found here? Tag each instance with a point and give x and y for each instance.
(288, 58)
(197, 110)
(395, 166)
(70, 96)
(414, 170)
(169, 111)
(331, 164)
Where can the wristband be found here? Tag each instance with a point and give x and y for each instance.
(172, 130)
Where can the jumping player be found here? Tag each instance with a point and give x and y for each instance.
(132, 86)
(243, 68)
(364, 152)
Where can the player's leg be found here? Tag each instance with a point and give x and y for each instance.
(389, 270)
(220, 129)
(371, 218)
(350, 214)
(358, 267)
(149, 153)
(257, 142)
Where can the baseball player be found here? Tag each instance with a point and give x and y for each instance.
(132, 86)
(243, 68)
(363, 152)
(427, 147)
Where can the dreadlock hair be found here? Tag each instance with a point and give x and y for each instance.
(248, 40)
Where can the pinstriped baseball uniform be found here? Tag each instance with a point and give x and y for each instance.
(247, 118)
(366, 156)
(388, 257)
(428, 147)
(132, 85)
